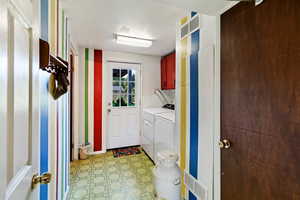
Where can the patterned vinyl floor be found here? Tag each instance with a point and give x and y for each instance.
(103, 177)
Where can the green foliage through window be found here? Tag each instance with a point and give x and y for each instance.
(123, 87)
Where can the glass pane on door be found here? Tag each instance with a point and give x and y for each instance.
(124, 74)
(132, 75)
(131, 100)
(131, 89)
(116, 88)
(123, 88)
(116, 101)
(116, 74)
(124, 101)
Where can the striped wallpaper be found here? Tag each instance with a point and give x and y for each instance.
(93, 98)
(44, 105)
(54, 147)
(189, 105)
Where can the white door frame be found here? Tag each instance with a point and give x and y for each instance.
(29, 17)
(217, 116)
(76, 97)
(105, 106)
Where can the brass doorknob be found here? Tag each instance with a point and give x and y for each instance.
(42, 179)
(224, 144)
(109, 110)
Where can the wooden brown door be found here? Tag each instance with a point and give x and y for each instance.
(260, 101)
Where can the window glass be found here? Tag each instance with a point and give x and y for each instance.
(124, 74)
(132, 75)
(124, 100)
(116, 88)
(116, 74)
(116, 101)
(131, 89)
(124, 88)
(131, 100)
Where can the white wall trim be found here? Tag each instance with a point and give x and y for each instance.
(217, 115)
(75, 107)
(97, 152)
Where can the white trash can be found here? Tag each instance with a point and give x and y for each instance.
(167, 176)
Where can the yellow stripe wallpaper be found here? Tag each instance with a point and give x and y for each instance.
(183, 109)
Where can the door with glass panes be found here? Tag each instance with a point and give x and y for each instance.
(123, 108)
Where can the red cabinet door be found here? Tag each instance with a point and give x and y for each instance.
(172, 76)
(171, 71)
(163, 72)
(168, 68)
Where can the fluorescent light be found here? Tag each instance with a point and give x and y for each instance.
(133, 41)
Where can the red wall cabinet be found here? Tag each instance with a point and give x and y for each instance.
(168, 72)
(163, 73)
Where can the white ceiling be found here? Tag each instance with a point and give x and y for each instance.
(209, 7)
(93, 22)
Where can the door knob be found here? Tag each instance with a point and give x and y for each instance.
(109, 110)
(42, 179)
(224, 144)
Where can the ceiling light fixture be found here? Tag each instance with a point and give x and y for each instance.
(133, 41)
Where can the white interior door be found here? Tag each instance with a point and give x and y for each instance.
(19, 110)
(123, 109)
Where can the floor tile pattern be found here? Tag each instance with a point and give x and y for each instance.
(103, 177)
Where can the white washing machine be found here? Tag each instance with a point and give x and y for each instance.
(147, 139)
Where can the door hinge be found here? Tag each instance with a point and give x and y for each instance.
(43, 179)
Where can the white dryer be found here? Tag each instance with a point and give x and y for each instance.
(147, 139)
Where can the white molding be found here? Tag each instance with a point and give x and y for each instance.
(17, 181)
(97, 152)
(217, 115)
(91, 65)
(3, 96)
(76, 96)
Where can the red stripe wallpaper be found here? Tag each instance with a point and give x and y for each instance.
(98, 100)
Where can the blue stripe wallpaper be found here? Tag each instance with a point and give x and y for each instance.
(44, 107)
(194, 107)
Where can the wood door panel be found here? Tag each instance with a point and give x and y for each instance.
(260, 101)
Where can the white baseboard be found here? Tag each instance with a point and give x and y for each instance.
(97, 152)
